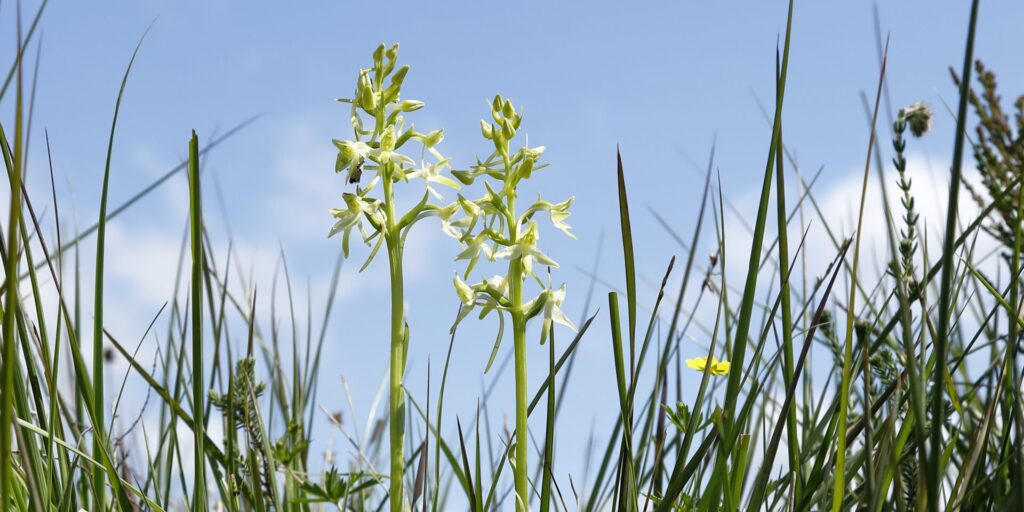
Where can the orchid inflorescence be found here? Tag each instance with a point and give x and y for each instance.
(490, 227)
(380, 146)
(375, 148)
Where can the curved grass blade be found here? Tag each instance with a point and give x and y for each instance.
(99, 435)
(839, 485)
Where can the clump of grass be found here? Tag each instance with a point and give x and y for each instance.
(922, 409)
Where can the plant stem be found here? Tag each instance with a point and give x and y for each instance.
(515, 284)
(515, 277)
(398, 351)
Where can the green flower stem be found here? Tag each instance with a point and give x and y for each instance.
(393, 239)
(516, 242)
(515, 275)
(515, 283)
(379, 153)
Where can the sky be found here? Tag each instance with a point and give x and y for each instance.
(663, 81)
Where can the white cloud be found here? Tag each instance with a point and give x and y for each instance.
(838, 202)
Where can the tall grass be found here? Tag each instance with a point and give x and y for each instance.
(911, 402)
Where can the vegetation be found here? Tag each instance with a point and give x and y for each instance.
(923, 409)
(379, 155)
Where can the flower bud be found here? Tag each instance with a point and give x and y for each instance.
(496, 104)
(508, 110)
(389, 65)
(410, 105)
(507, 130)
(399, 75)
(389, 94)
(367, 99)
(487, 129)
(378, 56)
(466, 177)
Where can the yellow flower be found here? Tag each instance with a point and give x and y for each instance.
(717, 367)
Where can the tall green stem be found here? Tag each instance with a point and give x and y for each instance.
(515, 284)
(515, 277)
(397, 395)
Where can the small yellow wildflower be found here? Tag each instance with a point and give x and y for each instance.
(717, 367)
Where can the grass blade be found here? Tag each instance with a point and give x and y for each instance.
(198, 389)
(941, 344)
(839, 486)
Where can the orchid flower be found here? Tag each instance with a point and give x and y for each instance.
(558, 213)
(352, 216)
(431, 173)
(489, 294)
(386, 152)
(553, 311)
(473, 249)
(447, 214)
(527, 251)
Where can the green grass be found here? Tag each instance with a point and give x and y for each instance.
(921, 408)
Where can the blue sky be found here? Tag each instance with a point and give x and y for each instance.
(660, 79)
